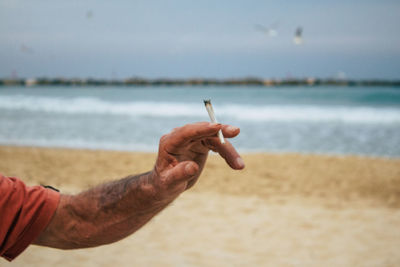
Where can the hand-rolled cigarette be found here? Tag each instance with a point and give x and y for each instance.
(211, 113)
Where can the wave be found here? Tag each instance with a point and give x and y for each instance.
(256, 113)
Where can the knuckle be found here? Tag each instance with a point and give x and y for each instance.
(182, 128)
(163, 138)
(163, 180)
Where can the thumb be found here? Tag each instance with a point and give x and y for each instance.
(182, 172)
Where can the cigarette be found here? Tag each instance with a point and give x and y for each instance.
(211, 113)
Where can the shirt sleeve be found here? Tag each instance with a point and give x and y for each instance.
(24, 213)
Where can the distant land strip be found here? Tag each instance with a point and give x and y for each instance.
(196, 82)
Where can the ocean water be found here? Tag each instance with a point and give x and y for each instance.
(323, 120)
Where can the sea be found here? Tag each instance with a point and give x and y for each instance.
(319, 120)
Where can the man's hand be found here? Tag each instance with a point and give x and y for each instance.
(183, 153)
(112, 211)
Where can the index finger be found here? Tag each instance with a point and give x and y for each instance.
(191, 132)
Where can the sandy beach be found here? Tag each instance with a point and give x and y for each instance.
(282, 210)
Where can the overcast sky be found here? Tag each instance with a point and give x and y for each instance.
(180, 39)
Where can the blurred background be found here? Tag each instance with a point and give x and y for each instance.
(271, 41)
(313, 85)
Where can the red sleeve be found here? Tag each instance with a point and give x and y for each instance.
(24, 214)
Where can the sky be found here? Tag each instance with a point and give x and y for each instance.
(189, 39)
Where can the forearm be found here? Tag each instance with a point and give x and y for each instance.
(104, 214)
(112, 211)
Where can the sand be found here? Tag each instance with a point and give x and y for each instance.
(282, 210)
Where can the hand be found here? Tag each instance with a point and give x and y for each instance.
(111, 211)
(183, 153)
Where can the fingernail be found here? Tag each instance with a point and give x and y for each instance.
(232, 128)
(190, 169)
(239, 163)
(215, 124)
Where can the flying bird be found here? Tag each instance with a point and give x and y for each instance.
(26, 49)
(298, 38)
(270, 31)
(89, 14)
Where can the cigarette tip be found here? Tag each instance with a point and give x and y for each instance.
(207, 101)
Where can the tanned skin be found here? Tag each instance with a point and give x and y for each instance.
(109, 212)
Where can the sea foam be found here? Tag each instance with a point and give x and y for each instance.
(196, 111)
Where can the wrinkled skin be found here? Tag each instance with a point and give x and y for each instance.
(183, 153)
(112, 211)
